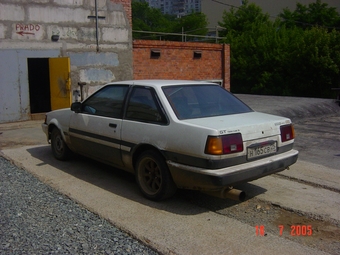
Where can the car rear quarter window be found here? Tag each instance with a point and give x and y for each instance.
(143, 106)
(200, 101)
(106, 102)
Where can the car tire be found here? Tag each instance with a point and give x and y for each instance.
(153, 176)
(58, 145)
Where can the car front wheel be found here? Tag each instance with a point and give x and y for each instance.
(58, 145)
(153, 176)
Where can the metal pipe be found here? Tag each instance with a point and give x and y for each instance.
(96, 7)
(233, 194)
(81, 85)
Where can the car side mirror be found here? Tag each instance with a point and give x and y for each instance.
(76, 107)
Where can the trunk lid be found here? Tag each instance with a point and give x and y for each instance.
(252, 125)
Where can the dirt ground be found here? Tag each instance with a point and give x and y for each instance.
(269, 218)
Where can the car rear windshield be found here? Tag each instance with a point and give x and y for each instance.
(200, 101)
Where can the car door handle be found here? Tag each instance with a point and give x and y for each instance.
(112, 125)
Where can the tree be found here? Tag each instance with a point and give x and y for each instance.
(255, 50)
(315, 14)
(316, 63)
(192, 24)
(236, 21)
(268, 57)
(145, 18)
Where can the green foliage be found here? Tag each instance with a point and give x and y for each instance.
(279, 58)
(318, 63)
(314, 14)
(145, 18)
(194, 23)
(242, 19)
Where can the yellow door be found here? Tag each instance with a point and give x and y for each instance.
(60, 83)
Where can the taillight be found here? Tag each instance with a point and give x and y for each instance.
(227, 144)
(287, 133)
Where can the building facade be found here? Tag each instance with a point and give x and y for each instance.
(49, 46)
(176, 7)
(182, 60)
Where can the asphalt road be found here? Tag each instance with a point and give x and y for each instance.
(317, 125)
(318, 140)
(190, 223)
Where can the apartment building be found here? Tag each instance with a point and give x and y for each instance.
(176, 7)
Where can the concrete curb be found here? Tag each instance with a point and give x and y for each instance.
(295, 108)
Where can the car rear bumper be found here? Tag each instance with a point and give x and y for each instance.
(189, 177)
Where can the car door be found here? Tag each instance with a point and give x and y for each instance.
(96, 130)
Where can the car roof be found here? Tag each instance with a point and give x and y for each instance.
(160, 83)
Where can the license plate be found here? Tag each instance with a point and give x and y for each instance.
(261, 150)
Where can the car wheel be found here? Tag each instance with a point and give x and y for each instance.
(58, 145)
(153, 176)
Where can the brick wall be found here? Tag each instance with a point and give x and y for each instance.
(181, 60)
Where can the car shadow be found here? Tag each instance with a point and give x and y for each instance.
(123, 184)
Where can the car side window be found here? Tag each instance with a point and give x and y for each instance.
(107, 102)
(143, 106)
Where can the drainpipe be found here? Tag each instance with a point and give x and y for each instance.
(96, 7)
(97, 18)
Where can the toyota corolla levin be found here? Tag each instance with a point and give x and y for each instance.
(173, 134)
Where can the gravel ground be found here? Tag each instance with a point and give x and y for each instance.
(35, 219)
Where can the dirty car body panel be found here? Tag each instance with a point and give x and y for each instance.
(176, 134)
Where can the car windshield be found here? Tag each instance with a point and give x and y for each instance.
(200, 101)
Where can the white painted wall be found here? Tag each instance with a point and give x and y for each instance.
(14, 89)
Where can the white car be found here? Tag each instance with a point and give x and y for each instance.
(173, 134)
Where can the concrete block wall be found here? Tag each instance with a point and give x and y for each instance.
(181, 60)
(26, 28)
(29, 24)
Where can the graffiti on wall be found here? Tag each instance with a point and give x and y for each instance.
(27, 31)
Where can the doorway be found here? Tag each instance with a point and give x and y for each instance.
(39, 85)
(49, 84)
